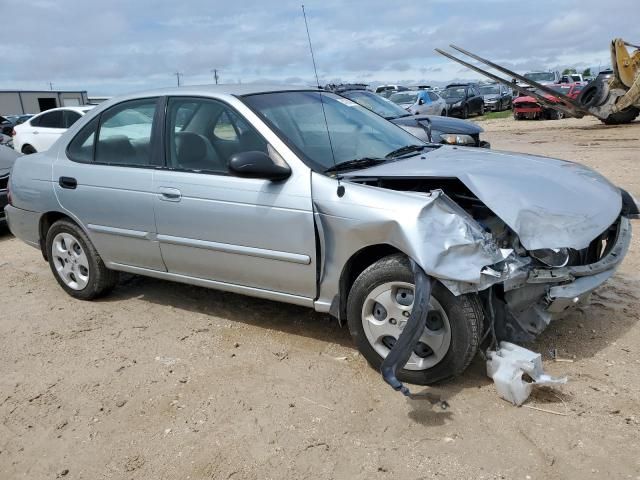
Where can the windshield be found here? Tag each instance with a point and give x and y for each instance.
(490, 90)
(353, 131)
(404, 97)
(453, 92)
(540, 76)
(376, 103)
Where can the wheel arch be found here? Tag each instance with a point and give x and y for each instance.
(46, 220)
(353, 267)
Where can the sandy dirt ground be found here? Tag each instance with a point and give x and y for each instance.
(168, 381)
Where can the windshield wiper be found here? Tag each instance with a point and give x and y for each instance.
(353, 164)
(404, 150)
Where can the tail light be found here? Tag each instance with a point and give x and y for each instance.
(13, 132)
(9, 199)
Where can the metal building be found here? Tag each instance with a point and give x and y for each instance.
(13, 102)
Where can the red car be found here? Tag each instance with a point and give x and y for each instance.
(529, 108)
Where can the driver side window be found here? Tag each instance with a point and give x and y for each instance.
(203, 135)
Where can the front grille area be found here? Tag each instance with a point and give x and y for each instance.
(597, 249)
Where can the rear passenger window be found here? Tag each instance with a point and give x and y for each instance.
(81, 147)
(124, 137)
(52, 120)
(70, 117)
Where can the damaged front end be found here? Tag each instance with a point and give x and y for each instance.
(529, 263)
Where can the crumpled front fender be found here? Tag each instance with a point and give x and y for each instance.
(443, 239)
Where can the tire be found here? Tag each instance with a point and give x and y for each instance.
(482, 109)
(552, 114)
(627, 115)
(28, 149)
(465, 112)
(81, 277)
(443, 113)
(463, 314)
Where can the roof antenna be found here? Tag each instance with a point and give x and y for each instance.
(340, 191)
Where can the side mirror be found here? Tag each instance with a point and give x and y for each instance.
(256, 164)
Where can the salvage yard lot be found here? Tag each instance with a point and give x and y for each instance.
(161, 380)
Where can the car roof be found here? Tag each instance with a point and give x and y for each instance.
(80, 109)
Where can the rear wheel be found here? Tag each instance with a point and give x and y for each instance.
(379, 304)
(28, 149)
(75, 262)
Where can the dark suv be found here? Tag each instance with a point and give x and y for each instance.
(463, 99)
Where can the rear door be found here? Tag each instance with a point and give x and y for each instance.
(250, 233)
(104, 179)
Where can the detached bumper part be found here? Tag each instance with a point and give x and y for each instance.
(408, 339)
(507, 366)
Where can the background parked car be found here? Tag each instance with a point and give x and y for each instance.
(463, 99)
(525, 107)
(420, 102)
(41, 131)
(388, 90)
(428, 128)
(18, 119)
(7, 158)
(496, 96)
(6, 126)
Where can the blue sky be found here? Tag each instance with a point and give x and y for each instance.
(114, 46)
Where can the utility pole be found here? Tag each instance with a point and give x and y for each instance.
(50, 86)
(215, 75)
(178, 75)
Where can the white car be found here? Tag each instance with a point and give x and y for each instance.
(429, 103)
(41, 131)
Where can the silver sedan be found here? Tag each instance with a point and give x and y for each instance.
(305, 197)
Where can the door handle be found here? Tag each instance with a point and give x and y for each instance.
(68, 182)
(169, 194)
(35, 132)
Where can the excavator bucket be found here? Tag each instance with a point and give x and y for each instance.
(565, 104)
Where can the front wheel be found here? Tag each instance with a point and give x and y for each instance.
(379, 304)
(75, 262)
(465, 112)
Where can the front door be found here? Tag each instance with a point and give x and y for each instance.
(244, 232)
(105, 179)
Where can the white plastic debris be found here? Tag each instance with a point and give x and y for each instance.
(509, 363)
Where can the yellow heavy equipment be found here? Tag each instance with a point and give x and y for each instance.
(613, 100)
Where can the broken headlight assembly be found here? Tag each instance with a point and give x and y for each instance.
(457, 139)
(551, 257)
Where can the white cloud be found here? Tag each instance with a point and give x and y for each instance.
(113, 46)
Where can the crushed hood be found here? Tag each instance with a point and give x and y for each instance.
(549, 203)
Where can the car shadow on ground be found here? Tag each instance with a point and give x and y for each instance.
(5, 233)
(258, 312)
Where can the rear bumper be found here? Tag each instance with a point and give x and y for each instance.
(24, 224)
